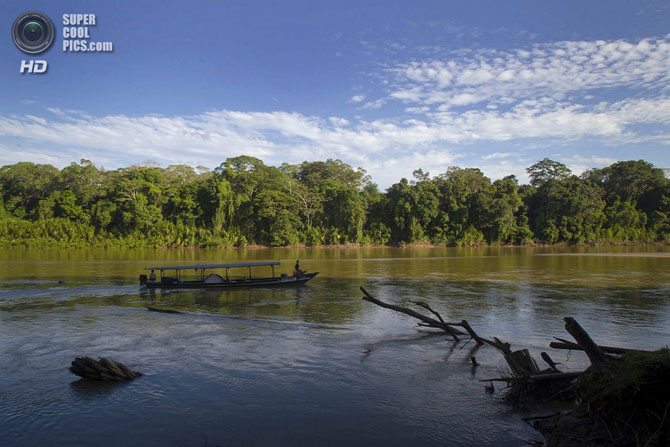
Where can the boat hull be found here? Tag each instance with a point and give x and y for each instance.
(235, 283)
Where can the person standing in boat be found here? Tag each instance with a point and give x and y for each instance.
(296, 271)
(152, 276)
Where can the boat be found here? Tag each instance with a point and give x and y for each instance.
(173, 276)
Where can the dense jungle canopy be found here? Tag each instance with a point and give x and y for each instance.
(244, 202)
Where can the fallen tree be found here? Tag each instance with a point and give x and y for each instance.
(521, 363)
(621, 399)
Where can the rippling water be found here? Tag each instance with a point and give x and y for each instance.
(305, 365)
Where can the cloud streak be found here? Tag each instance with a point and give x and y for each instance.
(478, 96)
(275, 137)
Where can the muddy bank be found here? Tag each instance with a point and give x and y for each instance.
(623, 402)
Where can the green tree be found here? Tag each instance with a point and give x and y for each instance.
(326, 202)
(399, 211)
(313, 173)
(345, 210)
(624, 222)
(568, 210)
(500, 218)
(545, 170)
(464, 193)
(84, 180)
(24, 184)
(629, 181)
(308, 198)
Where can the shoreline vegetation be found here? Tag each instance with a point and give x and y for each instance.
(246, 204)
(108, 244)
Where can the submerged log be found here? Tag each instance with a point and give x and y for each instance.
(103, 369)
(165, 311)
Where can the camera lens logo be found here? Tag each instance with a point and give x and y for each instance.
(33, 32)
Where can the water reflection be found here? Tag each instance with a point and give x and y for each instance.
(92, 389)
(312, 364)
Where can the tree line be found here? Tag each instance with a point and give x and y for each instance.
(244, 202)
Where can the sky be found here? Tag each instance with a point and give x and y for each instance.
(388, 86)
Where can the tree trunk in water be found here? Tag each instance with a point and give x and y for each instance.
(583, 339)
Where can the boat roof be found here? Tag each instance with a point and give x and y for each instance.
(213, 266)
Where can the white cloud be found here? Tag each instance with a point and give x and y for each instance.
(504, 168)
(373, 105)
(209, 138)
(579, 163)
(417, 109)
(497, 155)
(535, 94)
(552, 69)
(390, 170)
(9, 153)
(339, 122)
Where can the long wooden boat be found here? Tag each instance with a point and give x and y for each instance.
(172, 276)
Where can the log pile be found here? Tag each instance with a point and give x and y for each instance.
(103, 369)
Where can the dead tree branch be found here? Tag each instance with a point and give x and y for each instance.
(584, 340)
(429, 322)
(565, 344)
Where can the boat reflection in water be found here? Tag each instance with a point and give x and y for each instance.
(215, 280)
(255, 302)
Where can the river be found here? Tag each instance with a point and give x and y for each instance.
(304, 365)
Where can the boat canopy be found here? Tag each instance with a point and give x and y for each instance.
(214, 266)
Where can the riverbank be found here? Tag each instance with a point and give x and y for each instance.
(134, 243)
(626, 402)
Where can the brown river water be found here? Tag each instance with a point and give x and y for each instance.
(303, 365)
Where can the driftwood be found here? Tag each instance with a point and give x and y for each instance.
(625, 397)
(542, 376)
(103, 369)
(522, 365)
(565, 344)
(520, 362)
(472, 333)
(427, 321)
(583, 339)
(549, 361)
(440, 323)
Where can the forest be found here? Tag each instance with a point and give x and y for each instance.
(244, 202)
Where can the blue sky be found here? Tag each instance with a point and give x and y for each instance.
(385, 85)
